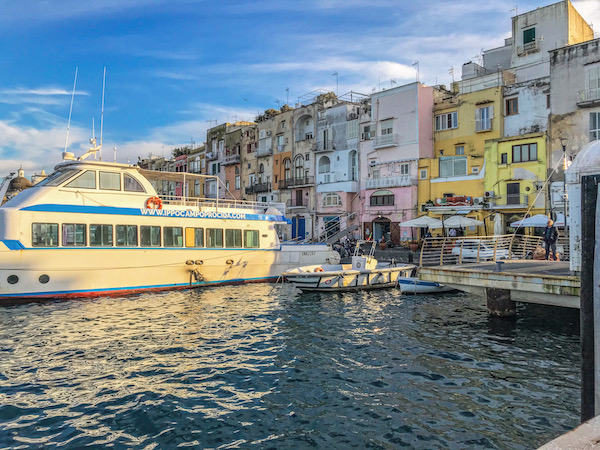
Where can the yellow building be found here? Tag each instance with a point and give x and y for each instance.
(515, 174)
(452, 182)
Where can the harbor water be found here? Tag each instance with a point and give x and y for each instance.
(265, 366)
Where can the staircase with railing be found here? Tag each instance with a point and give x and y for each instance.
(337, 228)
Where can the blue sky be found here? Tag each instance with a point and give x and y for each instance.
(176, 66)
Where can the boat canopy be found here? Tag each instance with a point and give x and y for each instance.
(155, 175)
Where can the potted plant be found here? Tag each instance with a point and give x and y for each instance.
(414, 246)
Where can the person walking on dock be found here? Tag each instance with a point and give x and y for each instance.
(550, 237)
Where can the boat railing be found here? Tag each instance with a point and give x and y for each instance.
(221, 203)
(437, 251)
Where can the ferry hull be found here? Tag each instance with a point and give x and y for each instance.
(85, 273)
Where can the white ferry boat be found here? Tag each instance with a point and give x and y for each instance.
(95, 228)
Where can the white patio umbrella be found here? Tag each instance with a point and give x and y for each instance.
(419, 222)
(498, 225)
(456, 222)
(539, 220)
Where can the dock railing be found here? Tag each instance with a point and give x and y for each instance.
(437, 251)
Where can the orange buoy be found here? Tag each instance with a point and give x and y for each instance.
(154, 203)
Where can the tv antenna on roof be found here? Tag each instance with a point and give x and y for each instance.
(337, 83)
(416, 63)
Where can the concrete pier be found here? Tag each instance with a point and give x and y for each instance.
(528, 281)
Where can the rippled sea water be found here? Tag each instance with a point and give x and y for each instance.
(267, 367)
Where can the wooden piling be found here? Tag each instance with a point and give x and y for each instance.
(499, 303)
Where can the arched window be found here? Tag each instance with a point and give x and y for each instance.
(353, 162)
(382, 198)
(237, 170)
(332, 199)
(299, 167)
(324, 170)
(324, 164)
(304, 128)
(287, 169)
(261, 168)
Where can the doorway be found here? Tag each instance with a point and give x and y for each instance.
(381, 228)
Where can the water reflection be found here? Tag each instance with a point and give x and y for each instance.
(253, 365)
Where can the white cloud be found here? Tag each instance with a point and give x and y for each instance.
(45, 11)
(590, 11)
(180, 76)
(36, 148)
(39, 96)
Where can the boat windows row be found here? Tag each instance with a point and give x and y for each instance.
(91, 179)
(101, 235)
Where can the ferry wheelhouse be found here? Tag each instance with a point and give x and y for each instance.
(95, 228)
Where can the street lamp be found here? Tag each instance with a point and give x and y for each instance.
(563, 142)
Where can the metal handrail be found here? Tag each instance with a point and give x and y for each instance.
(458, 250)
(200, 202)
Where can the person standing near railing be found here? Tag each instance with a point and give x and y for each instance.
(550, 237)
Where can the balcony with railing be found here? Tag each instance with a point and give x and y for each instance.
(324, 146)
(388, 182)
(231, 159)
(264, 149)
(258, 188)
(297, 203)
(531, 47)
(512, 201)
(588, 97)
(386, 140)
(296, 182)
(212, 156)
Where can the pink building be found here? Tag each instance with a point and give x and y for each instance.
(397, 132)
(180, 166)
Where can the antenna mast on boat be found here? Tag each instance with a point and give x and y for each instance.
(94, 130)
(96, 148)
(102, 113)
(70, 111)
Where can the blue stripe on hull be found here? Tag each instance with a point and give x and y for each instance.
(419, 283)
(13, 244)
(164, 213)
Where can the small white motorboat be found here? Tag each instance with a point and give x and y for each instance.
(363, 273)
(412, 285)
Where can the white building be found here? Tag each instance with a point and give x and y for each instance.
(336, 156)
(574, 105)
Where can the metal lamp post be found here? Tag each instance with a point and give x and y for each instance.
(563, 142)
